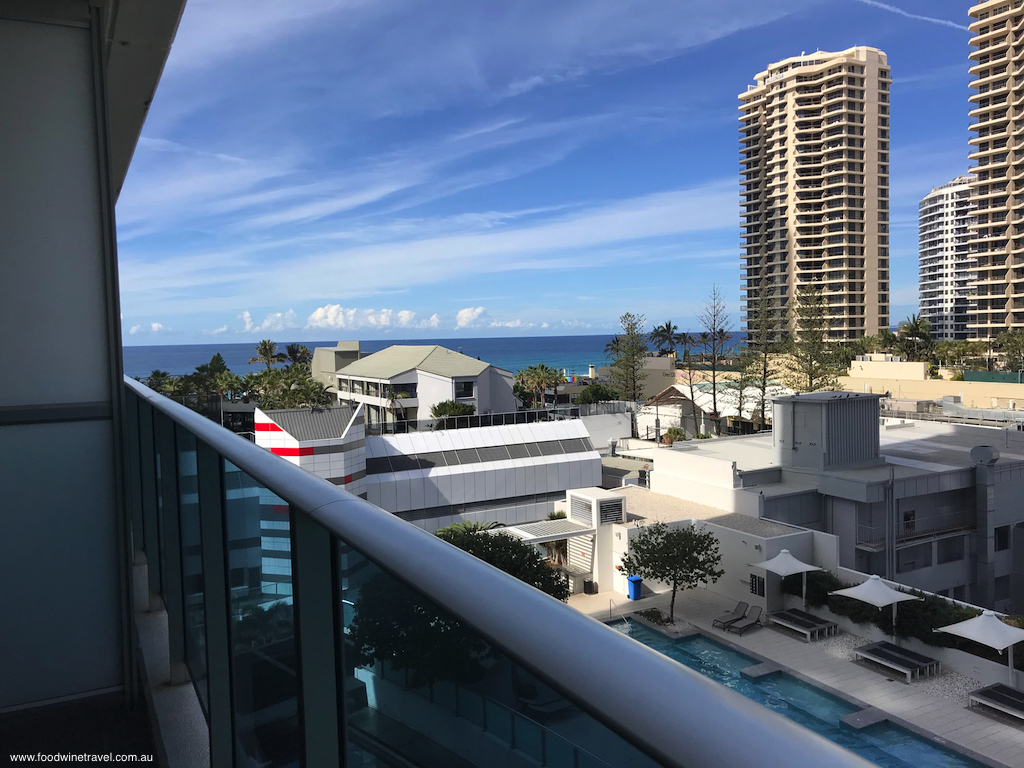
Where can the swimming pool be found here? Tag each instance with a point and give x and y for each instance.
(884, 744)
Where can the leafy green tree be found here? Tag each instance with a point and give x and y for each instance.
(683, 557)
(596, 393)
(451, 408)
(665, 337)
(811, 362)
(509, 554)
(266, 353)
(916, 335)
(714, 339)
(629, 358)
(157, 380)
(298, 354)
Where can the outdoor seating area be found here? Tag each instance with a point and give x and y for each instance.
(1002, 697)
(751, 620)
(810, 626)
(912, 665)
(732, 616)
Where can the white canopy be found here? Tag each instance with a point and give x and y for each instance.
(987, 629)
(784, 564)
(875, 592)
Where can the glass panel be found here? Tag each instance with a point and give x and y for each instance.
(192, 564)
(397, 644)
(264, 682)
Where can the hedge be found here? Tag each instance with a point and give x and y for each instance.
(915, 618)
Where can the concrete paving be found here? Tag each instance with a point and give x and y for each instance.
(992, 739)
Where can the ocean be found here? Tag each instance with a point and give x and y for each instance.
(572, 353)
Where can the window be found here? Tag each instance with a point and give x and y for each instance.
(1002, 535)
(960, 593)
(912, 558)
(1002, 588)
(756, 585)
(950, 550)
(463, 389)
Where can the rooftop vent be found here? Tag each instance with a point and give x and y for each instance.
(826, 430)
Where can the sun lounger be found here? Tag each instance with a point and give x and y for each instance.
(735, 615)
(751, 619)
(931, 665)
(810, 626)
(1002, 697)
(878, 653)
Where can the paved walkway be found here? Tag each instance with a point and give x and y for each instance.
(990, 738)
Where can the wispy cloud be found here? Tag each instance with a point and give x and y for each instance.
(918, 17)
(275, 321)
(337, 317)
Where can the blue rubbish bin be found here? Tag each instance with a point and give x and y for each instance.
(634, 587)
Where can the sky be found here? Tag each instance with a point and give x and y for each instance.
(369, 169)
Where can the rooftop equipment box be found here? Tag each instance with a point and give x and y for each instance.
(826, 430)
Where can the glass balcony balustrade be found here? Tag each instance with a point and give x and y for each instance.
(320, 630)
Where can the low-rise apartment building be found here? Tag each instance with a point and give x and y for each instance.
(404, 382)
(919, 503)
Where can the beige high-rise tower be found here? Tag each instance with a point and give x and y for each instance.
(814, 186)
(997, 71)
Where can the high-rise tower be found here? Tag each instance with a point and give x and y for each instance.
(998, 147)
(814, 186)
(946, 295)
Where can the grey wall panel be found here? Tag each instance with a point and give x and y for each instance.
(58, 562)
(52, 283)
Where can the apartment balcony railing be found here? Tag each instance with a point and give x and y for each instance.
(318, 629)
(926, 527)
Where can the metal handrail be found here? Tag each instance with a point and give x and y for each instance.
(669, 712)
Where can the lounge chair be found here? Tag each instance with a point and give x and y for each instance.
(751, 619)
(735, 615)
(1002, 697)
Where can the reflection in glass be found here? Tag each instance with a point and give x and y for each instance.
(421, 685)
(192, 563)
(265, 686)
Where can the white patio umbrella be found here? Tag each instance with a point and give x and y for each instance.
(877, 593)
(784, 564)
(989, 630)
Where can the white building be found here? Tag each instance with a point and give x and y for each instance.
(510, 474)
(946, 296)
(421, 377)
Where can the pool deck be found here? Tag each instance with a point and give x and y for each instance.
(986, 738)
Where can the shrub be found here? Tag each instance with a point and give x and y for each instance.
(654, 615)
(673, 434)
(702, 436)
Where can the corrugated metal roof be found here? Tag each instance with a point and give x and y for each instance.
(546, 530)
(313, 423)
(400, 358)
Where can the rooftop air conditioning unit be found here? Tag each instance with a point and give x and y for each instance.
(595, 506)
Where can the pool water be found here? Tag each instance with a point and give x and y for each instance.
(883, 744)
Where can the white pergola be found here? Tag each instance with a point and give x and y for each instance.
(784, 564)
(988, 629)
(876, 592)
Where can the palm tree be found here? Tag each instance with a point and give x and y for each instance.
(393, 403)
(157, 380)
(665, 337)
(547, 378)
(266, 353)
(613, 347)
(298, 354)
(918, 330)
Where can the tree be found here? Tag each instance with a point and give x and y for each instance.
(1011, 343)
(811, 360)
(916, 334)
(596, 393)
(665, 337)
(445, 412)
(762, 348)
(629, 358)
(157, 380)
(509, 554)
(682, 557)
(687, 343)
(266, 353)
(715, 340)
(298, 354)
(393, 402)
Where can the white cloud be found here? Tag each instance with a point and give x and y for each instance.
(517, 323)
(134, 330)
(466, 318)
(156, 327)
(275, 321)
(543, 325)
(218, 331)
(338, 317)
(901, 12)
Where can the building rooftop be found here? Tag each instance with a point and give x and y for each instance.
(666, 509)
(313, 423)
(400, 358)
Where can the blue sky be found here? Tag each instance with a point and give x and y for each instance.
(404, 168)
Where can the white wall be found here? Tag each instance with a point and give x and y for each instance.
(609, 426)
(702, 479)
(432, 389)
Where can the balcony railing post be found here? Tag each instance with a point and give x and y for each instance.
(173, 590)
(317, 639)
(209, 467)
(148, 492)
(131, 452)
